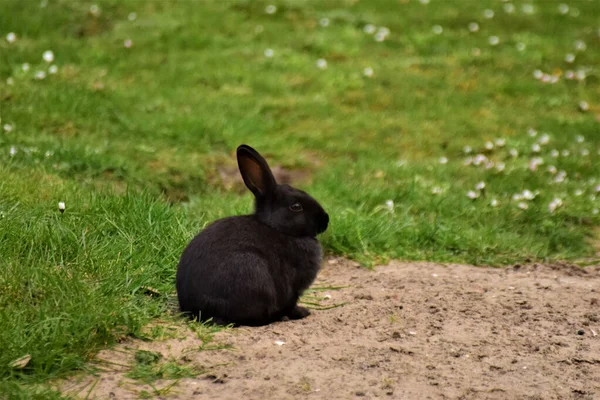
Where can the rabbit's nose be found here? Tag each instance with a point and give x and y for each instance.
(322, 222)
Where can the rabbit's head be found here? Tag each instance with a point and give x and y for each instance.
(282, 207)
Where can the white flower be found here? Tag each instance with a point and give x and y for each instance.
(327, 296)
(579, 139)
(489, 165)
(509, 8)
(10, 81)
(132, 16)
(538, 74)
(12, 151)
(11, 37)
(324, 22)
(565, 153)
(382, 33)
(270, 9)
(468, 161)
(489, 14)
(389, 204)
(580, 75)
(517, 197)
(583, 105)
(569, 74)
(500, 142)
(437, 29)
(467, 149)
(443, 160)
(560, 177)
(48, 153)
(61, 206)
(424, 1)
(520, 46)
(528, 194)
(94, 10)
(25, 67)
(493, 40)
(321, 63)
(527, 8)
(269, 53)
(552, 169)
(40, 75)
(436, 190)
(536, 148)
(473, 27)
(535, 162)
(53, 69)
(585, 152)
(569, 57)
(480, 159)
(523, 206)
(368, 72)
(370, 29)
(580, 45)
(532, 132)
(472, 195)
(489, 145)
(8, 128)
(563, 9)
(554, 204)
(554, 153)
(494, 203)
(595, 211)
(500, 166)
(578, 192)
(128, 43)
(480, 185)
(384, 30)
(597, 189)
(514, 153)
(544, 139)
(48, 56)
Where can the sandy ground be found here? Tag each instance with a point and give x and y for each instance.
(407, 331)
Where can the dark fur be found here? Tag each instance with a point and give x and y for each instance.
(251, 269)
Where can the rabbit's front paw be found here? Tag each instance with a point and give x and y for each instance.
(298, 312)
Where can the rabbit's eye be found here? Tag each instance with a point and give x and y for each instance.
(296, 207)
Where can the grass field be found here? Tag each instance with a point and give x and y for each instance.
(446, 130)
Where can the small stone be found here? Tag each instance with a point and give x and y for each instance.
(581, 332)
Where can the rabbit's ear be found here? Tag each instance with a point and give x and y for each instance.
(255, 171)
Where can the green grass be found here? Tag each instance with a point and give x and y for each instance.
(131, 139)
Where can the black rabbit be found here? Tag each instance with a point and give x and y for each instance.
(251, 269)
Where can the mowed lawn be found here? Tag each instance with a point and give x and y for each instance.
(461, 131)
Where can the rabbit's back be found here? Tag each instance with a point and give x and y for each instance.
(241, 270)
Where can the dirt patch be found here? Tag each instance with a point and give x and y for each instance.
(407, 330)
(230, 178)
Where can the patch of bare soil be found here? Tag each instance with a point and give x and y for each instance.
(407, 331)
